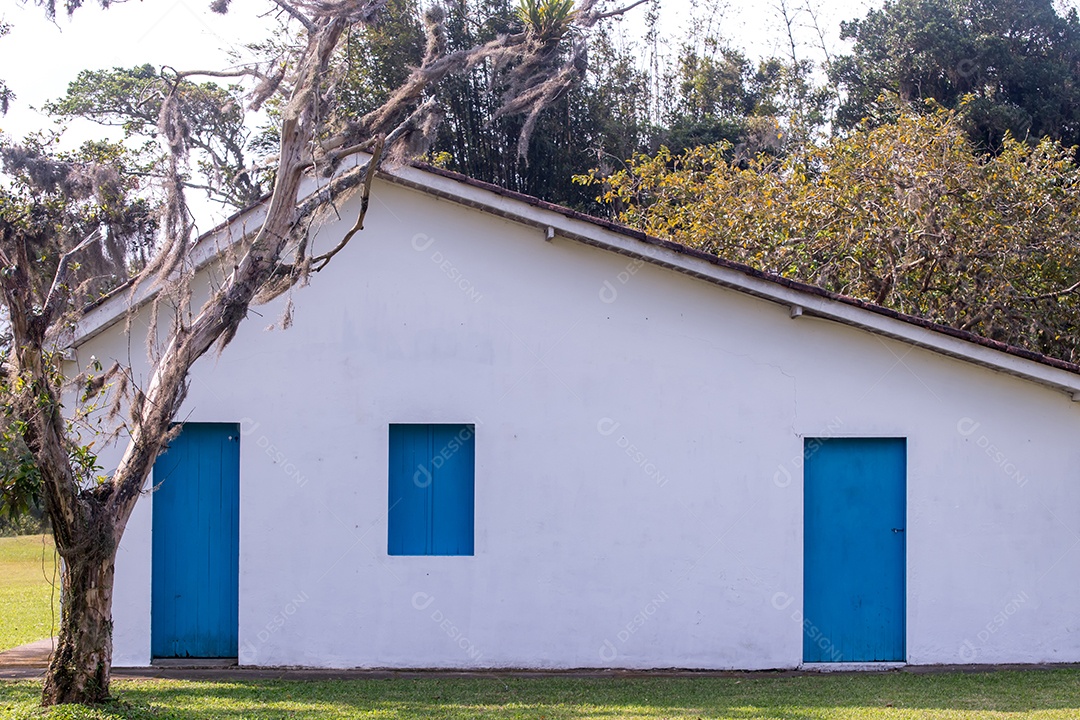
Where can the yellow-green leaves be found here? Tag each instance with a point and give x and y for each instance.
(907, 214)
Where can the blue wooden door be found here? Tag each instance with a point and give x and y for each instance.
(196, 543)
(854, 549)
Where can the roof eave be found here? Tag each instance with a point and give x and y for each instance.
(812, 301)
(553, 220)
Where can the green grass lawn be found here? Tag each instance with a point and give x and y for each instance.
(892, 696)
(26, 569)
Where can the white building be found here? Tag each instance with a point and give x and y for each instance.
(501, 434)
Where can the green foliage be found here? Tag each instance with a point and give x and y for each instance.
(22, 501)
(20, 481)
(21, 487)
(1016, 62)
(54, 200)
(909, 215)
(131, 98)
(581, 124)
(378, 58)
(716, 92)
(709, 92)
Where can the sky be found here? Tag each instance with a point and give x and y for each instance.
(38, 58)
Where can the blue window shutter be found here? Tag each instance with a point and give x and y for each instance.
(453, 467)
(432, 471)
(410, 498)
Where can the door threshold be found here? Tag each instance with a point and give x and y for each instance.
(191, 662)
(852, 666)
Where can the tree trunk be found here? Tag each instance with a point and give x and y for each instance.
(80, 667)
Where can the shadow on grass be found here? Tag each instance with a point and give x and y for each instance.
(1048, 693)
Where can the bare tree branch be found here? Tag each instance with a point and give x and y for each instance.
(60, 279)
(620, 11)
(1050, 295)
(242, 72)
(321, 261)
(296, 15)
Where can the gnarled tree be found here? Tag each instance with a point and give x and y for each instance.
(539, 61)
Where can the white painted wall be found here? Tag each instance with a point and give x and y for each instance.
(684, 552)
